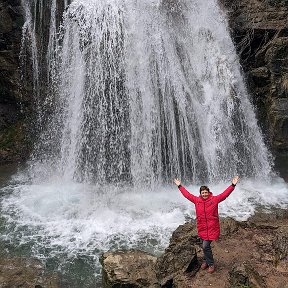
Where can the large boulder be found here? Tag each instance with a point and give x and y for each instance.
(179, 258)
(138, 269)
(134, 269)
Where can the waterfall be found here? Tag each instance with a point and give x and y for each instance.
(141, 92)
(128, 95)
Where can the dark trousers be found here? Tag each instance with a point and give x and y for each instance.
(208, 255)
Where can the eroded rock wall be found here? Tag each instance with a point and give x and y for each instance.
(260, 32)
(13, 145)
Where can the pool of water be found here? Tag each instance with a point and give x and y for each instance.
(69, 225)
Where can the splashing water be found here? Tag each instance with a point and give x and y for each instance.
(144, 91)
(139, 92)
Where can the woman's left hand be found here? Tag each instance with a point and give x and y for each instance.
(235, 180)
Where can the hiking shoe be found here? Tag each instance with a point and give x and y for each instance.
(211, 269)
(204, 265)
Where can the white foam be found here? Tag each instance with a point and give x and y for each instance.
(84, 218)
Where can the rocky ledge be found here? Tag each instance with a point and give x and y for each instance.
(25, 273)
(251, 254)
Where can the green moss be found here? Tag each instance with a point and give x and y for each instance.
(9, 138)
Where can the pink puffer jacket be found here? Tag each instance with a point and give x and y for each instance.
(207, 212)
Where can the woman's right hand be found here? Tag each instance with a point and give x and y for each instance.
(177, 181)
(235, 180)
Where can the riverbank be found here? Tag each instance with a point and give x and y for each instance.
(253, 253)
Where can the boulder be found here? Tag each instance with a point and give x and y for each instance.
(128, 269)
(179, 258)
(245, 276)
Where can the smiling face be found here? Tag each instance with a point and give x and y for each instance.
(204, 194)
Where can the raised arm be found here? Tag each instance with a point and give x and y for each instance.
(221, 197)
(184, 192)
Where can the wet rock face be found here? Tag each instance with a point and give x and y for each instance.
(259, 29)
(256, 14)
(11, 122)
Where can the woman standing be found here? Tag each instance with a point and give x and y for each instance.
(208, 225)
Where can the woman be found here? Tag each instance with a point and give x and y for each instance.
(208, 225)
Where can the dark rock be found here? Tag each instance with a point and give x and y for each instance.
(260, 76)
(14, 2)
(3, 44)
(279, 122)
(260, 30)
(277, 55)
(6, 25)
(245, 276)
(281, 105)
(180, 257)
(266, 220)
(8, 115)
(13, 144)
(15, 11)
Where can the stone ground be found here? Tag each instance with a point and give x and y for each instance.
(251, 254)
(252, 246)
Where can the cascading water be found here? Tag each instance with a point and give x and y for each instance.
(131, 94)
(145, 91)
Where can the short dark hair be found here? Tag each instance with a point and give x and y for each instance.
(202, 188)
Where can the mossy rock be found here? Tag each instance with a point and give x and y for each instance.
(13, 145)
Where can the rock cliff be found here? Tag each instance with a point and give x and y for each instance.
(13, 144)
(260, 32)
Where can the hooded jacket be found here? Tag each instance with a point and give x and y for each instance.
(207, 212)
